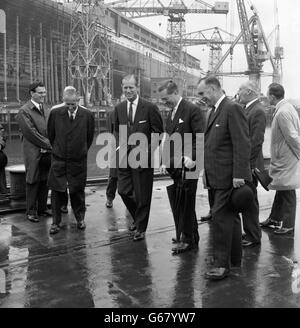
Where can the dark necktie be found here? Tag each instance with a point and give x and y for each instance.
(42, 109)
(130, 114)
(211, 114)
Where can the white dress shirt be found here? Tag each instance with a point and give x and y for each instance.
(134, 107)
(175, 109)
(218, 103)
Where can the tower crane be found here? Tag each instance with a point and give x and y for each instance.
(175, 11)
(256, 46)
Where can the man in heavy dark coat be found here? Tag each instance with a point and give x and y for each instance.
(32, 118)
(71, 132)
(184, 120)
(227, 166)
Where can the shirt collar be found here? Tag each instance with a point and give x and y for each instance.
(74, 113)
(135, 102)
(37, 105)
(218, 103)
(251, 102)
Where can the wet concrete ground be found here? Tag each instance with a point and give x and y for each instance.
(102, 267)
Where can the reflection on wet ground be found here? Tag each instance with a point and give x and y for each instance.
(103, 267)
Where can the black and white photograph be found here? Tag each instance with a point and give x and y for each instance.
(149, 157)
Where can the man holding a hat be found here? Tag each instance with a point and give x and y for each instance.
(227, 167)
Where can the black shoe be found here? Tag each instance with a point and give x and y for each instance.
(54, 229)
(175, 240)
(81, 225)
(45, 214)
(217, 274)
(206, 218)
(183, 247)
(32, 218)
(139, 236)
(247, 243)
(269, 223)
(132, 227)
(284, 231)
(64, 209)
(109, 203)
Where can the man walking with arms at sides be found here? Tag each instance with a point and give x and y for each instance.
(71, 132)
(226, 166)
(184, 118)
(285, 162)
(135, 183)
(32, 118)
(256, 116)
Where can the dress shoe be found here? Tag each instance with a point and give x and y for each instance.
(64, 209)
(284, 231)
(109, 203)
(32, 218)
(139, 236)
(175, 240)
(217, 274)
(45, 214)
(183, 247)
(132, 227)
(206, 218)
(54, 229)
(81, 225)
(247, 243)
(269, 223)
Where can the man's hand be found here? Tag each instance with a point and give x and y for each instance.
(188, 163)
(237, 183)
(163, 169)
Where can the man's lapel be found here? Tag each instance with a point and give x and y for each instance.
(138, 114)
(214, 115)
(178, 115)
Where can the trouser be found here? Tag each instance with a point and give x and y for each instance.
(284, 208)
(210, 200)
(64, 198)
(36, 197)
(77, 203)
(3, 187)
(112, 184)
(251, 219)
(189, 233)
(135, 189)
(226, 231)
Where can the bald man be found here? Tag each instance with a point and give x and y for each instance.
(71, 132)
(248, 95)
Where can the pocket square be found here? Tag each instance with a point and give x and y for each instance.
(181, 121)
(142, 121)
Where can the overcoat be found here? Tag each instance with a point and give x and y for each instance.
(33, 125)
(70, 144)
(285, 148)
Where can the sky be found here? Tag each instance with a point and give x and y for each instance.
(289, 13)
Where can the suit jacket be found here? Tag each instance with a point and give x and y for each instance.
(257, 121)
(189, 119)
(227, 146)
(70, 144)
(147, 120)
(33, 126)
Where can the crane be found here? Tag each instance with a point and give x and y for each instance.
(279, 52)
(175, 11)
(256, 46)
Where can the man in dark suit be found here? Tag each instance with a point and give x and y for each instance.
(135, 180)
(71, 132)
(32, 118)
(248, 96)
(227, 166)
(184, 119)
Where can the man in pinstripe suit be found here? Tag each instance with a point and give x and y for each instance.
(227, 166)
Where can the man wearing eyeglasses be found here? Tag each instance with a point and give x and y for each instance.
(71, 132)
(32, 118)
